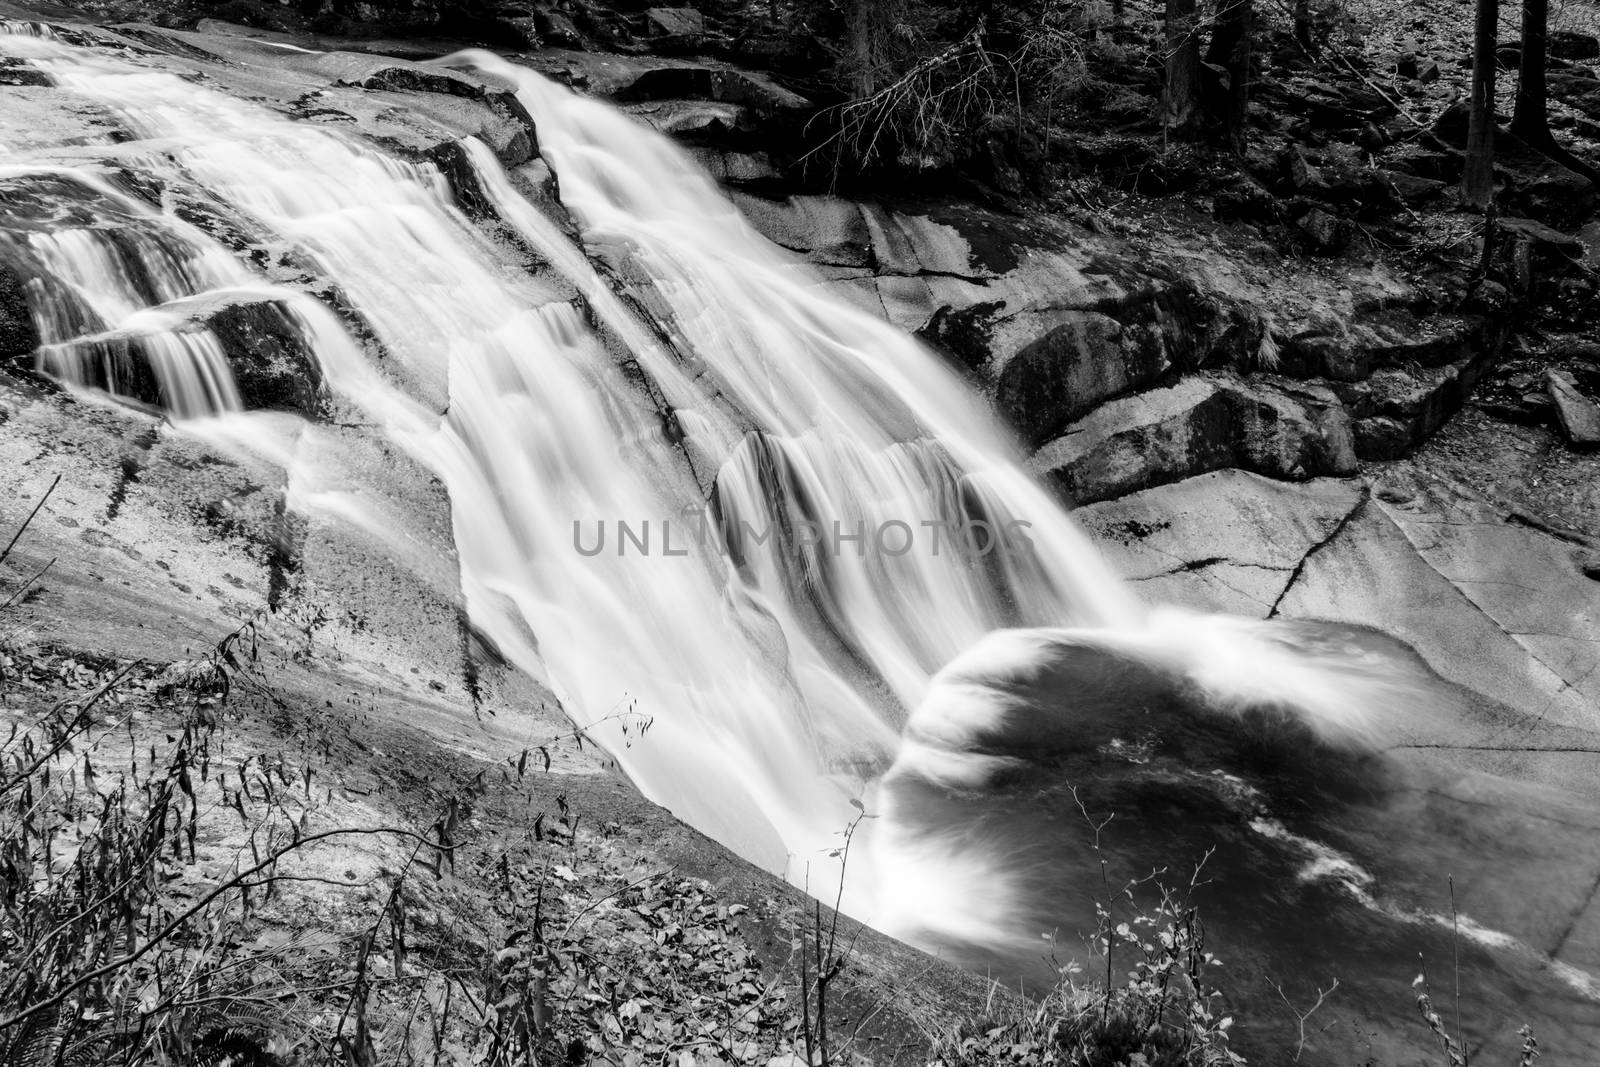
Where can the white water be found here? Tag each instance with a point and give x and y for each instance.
(100, 290)
(541, 431)
(861, 425)
(775, 675)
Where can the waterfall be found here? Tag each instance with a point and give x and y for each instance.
(768, 550)
(847, 514)
(856, 423)
(104, 284)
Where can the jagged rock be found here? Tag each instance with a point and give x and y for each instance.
(1529, 409)
(737, 168)
(1582, 362)
(1324, 233)
(1442, 166)
(1302, 176)
(1395, 409)
(679, 82)
(1568, 44)
(1314, 354)
(1079, 357)
(1578, 416)
(1363, 191)
(1414, 190)
(1540, 188)
(557, 27)
(682, 22)
(1325, 106)
(1570, 84)
(1589, 238)
(1399, 338)
(1545, 237)
(19, 72)
(963, 334)
(1488, 297)
(1147, 439)
(710, 120)
(454, 164)
(525, 30)
(1245, 202)
(1559, 197)
(1198, 425)
(967, 248)
(1451, 126)
(1289, 429)
(1054, 337)
(397, 76)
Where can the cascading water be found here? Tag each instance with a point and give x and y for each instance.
(541, 430)
(104, 283)
(833, 517)
(859, 429)
(774, 673)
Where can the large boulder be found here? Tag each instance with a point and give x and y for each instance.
(1141, 440)
(1277, 428)
(1051, 365)
(1569, 44)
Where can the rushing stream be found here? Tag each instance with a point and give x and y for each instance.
(822, 517)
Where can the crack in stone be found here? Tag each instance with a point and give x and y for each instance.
(1192, 566)
(1577, 917)
(1299, 568)
(1566, 685)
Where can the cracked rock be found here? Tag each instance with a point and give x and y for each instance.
(1578, 416)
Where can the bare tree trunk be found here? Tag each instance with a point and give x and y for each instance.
(1230, 49)
(1477, 184)
(1181, 102)
(1302, 24)
(862, 31)
(1530, 121)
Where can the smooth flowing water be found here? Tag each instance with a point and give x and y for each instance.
(779, 654)
(738, 523)
(108, 280)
